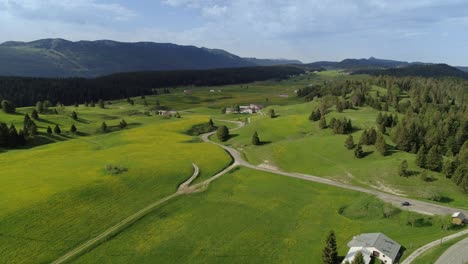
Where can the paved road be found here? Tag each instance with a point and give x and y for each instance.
(416, 205)
(435, 243)
(456, 254)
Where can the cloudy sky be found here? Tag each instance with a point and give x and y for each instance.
(309, 30)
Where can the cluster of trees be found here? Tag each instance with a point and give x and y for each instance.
(10, 137)
(27, 91)
(222, 133)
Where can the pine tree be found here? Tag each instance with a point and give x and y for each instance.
(434, 159)
(379, 119)
(73, 128)
(222, 133)
(57, 130)
(364, 138)
(35, 115)
(372, 136)
(123, 124)
(271, 113)
(329, 252)
(211, 122)
(323, 123)
(403, 169)
(358, 258)
(448, 168)
(12, 136)
(421, 157)
(93, 104)
(381, 145)
(349, 143)
(8, 107)
(101, 104)
(358, 152)
(177, 115)
(74, 115)
(255, 139)
(49, 130)
(103, 127)
(315, 115)
(40, 107)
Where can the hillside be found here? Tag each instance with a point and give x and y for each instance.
(272, 62)
(62, 58)
(421, 70)
(358, 63)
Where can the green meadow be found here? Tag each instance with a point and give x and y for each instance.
(56, 192)
(249, 216)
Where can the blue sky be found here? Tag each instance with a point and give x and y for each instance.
(309, 30)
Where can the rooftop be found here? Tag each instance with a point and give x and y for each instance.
(378, 240)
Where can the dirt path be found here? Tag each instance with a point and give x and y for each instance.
(183, 189)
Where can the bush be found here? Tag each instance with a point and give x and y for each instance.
(115, 169)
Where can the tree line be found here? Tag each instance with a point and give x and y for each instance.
(26, 91)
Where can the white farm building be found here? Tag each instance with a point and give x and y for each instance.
(373, 245)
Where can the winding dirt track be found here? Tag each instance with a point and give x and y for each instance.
(186, 188)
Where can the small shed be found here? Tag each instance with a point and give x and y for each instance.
(458, 218)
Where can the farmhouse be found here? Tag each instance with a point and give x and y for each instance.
(458, 218)
(245, 109)
(166, 113)
(373, 245)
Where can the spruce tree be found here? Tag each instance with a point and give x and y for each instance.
(103, 127)
(349, 143)
(358, 152)
(255, 139)
(74, 115)
(448, 168)
(49, 130)
(403, 169)
(359, 258)
(222, 133)
(101, 104)
(12, 136)
(8, 107)
(73, 128)
(211, 122)
(364, 138)
(93, 104)
(381, 145)
(123, 124)
(35, 115)
(40, 107)
(434, 159)
(271, 113)
(329, 252)
(323, 123)
(57, 130)
(421, 157)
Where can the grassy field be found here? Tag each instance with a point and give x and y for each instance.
(293, 143)
(255, 217)
(56, 196)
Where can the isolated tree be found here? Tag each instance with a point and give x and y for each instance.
(8, 107)
(211, 122)
(329, 252)
(40, 107)
(381, 145)
(74, 115)
(323, 123)
(364, 140)
(358, 258)
(358, 152)
(271, 113)
(49, 130)
(101, 104)
(255, 139)
(421, 157)
(349, 143)
(177, 115)
(123, 124)
(403, 169)
(103, 127)
(73, 128)
(35, 115)
(222, 133)
(57, 130)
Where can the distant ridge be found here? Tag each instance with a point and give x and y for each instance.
(63, 58)
(272, 62)
(421, 70)
(358, 63)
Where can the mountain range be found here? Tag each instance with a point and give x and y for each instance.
(63, 58)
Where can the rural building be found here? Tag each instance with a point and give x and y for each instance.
(245, 109)
(166, 113)
(373, 245)
(459, 218)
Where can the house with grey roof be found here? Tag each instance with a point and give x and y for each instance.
(373, 245)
